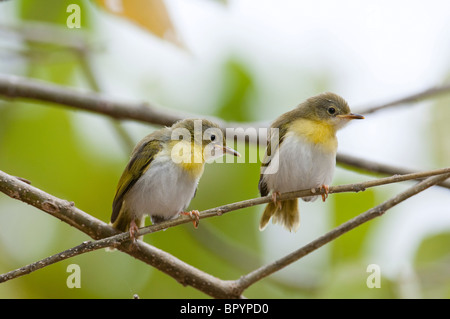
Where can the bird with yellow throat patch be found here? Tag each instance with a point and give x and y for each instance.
(302, 156)
(162, 175)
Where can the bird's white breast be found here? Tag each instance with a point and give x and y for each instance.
(299, 164)
(164, 189)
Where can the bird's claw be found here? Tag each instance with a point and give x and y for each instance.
(133, 230)
(275, 200)
(325, 194)
(194, 215)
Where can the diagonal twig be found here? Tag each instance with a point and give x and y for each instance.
(256, 275)
(30, 89)
(97, 229)
(376, 167)
(415, 97)
(117, 239)
(20, 87)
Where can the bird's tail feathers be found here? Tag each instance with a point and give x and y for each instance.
(267, 215)
(286, 215)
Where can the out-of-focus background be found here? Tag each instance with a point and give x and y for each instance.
(246, 60)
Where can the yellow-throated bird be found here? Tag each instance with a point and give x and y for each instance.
(303, 156)
(162, 175)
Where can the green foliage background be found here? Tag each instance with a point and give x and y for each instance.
(45, 145)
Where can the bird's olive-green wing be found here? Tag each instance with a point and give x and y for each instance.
(141, 158)
(281, 124)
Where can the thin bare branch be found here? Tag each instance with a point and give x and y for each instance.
(356, 187)
(84, 247)
(376, 167)
(97, 229)
(19, 87)
(415, 97)
(30, 89)
(117, 239)
(262, 272)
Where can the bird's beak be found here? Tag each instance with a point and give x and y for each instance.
(351, 116)
(228, 150)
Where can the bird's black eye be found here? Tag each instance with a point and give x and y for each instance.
(331, 110)
(213, 137)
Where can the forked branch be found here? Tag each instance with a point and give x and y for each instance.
(184, 273)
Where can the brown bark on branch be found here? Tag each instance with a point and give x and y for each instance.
(182, 272)
(97, 229)
(262, 272)
(14, 87)
(416, 97)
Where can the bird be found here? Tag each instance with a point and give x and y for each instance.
(163, 172)
(301, 154)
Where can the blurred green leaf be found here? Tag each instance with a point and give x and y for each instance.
(349, 280)
(52, 11)
(432, 264)
(52, 61)
(235, 103)
(347, 206)
(433, 249)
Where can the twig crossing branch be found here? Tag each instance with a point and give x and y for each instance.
(167, 263)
